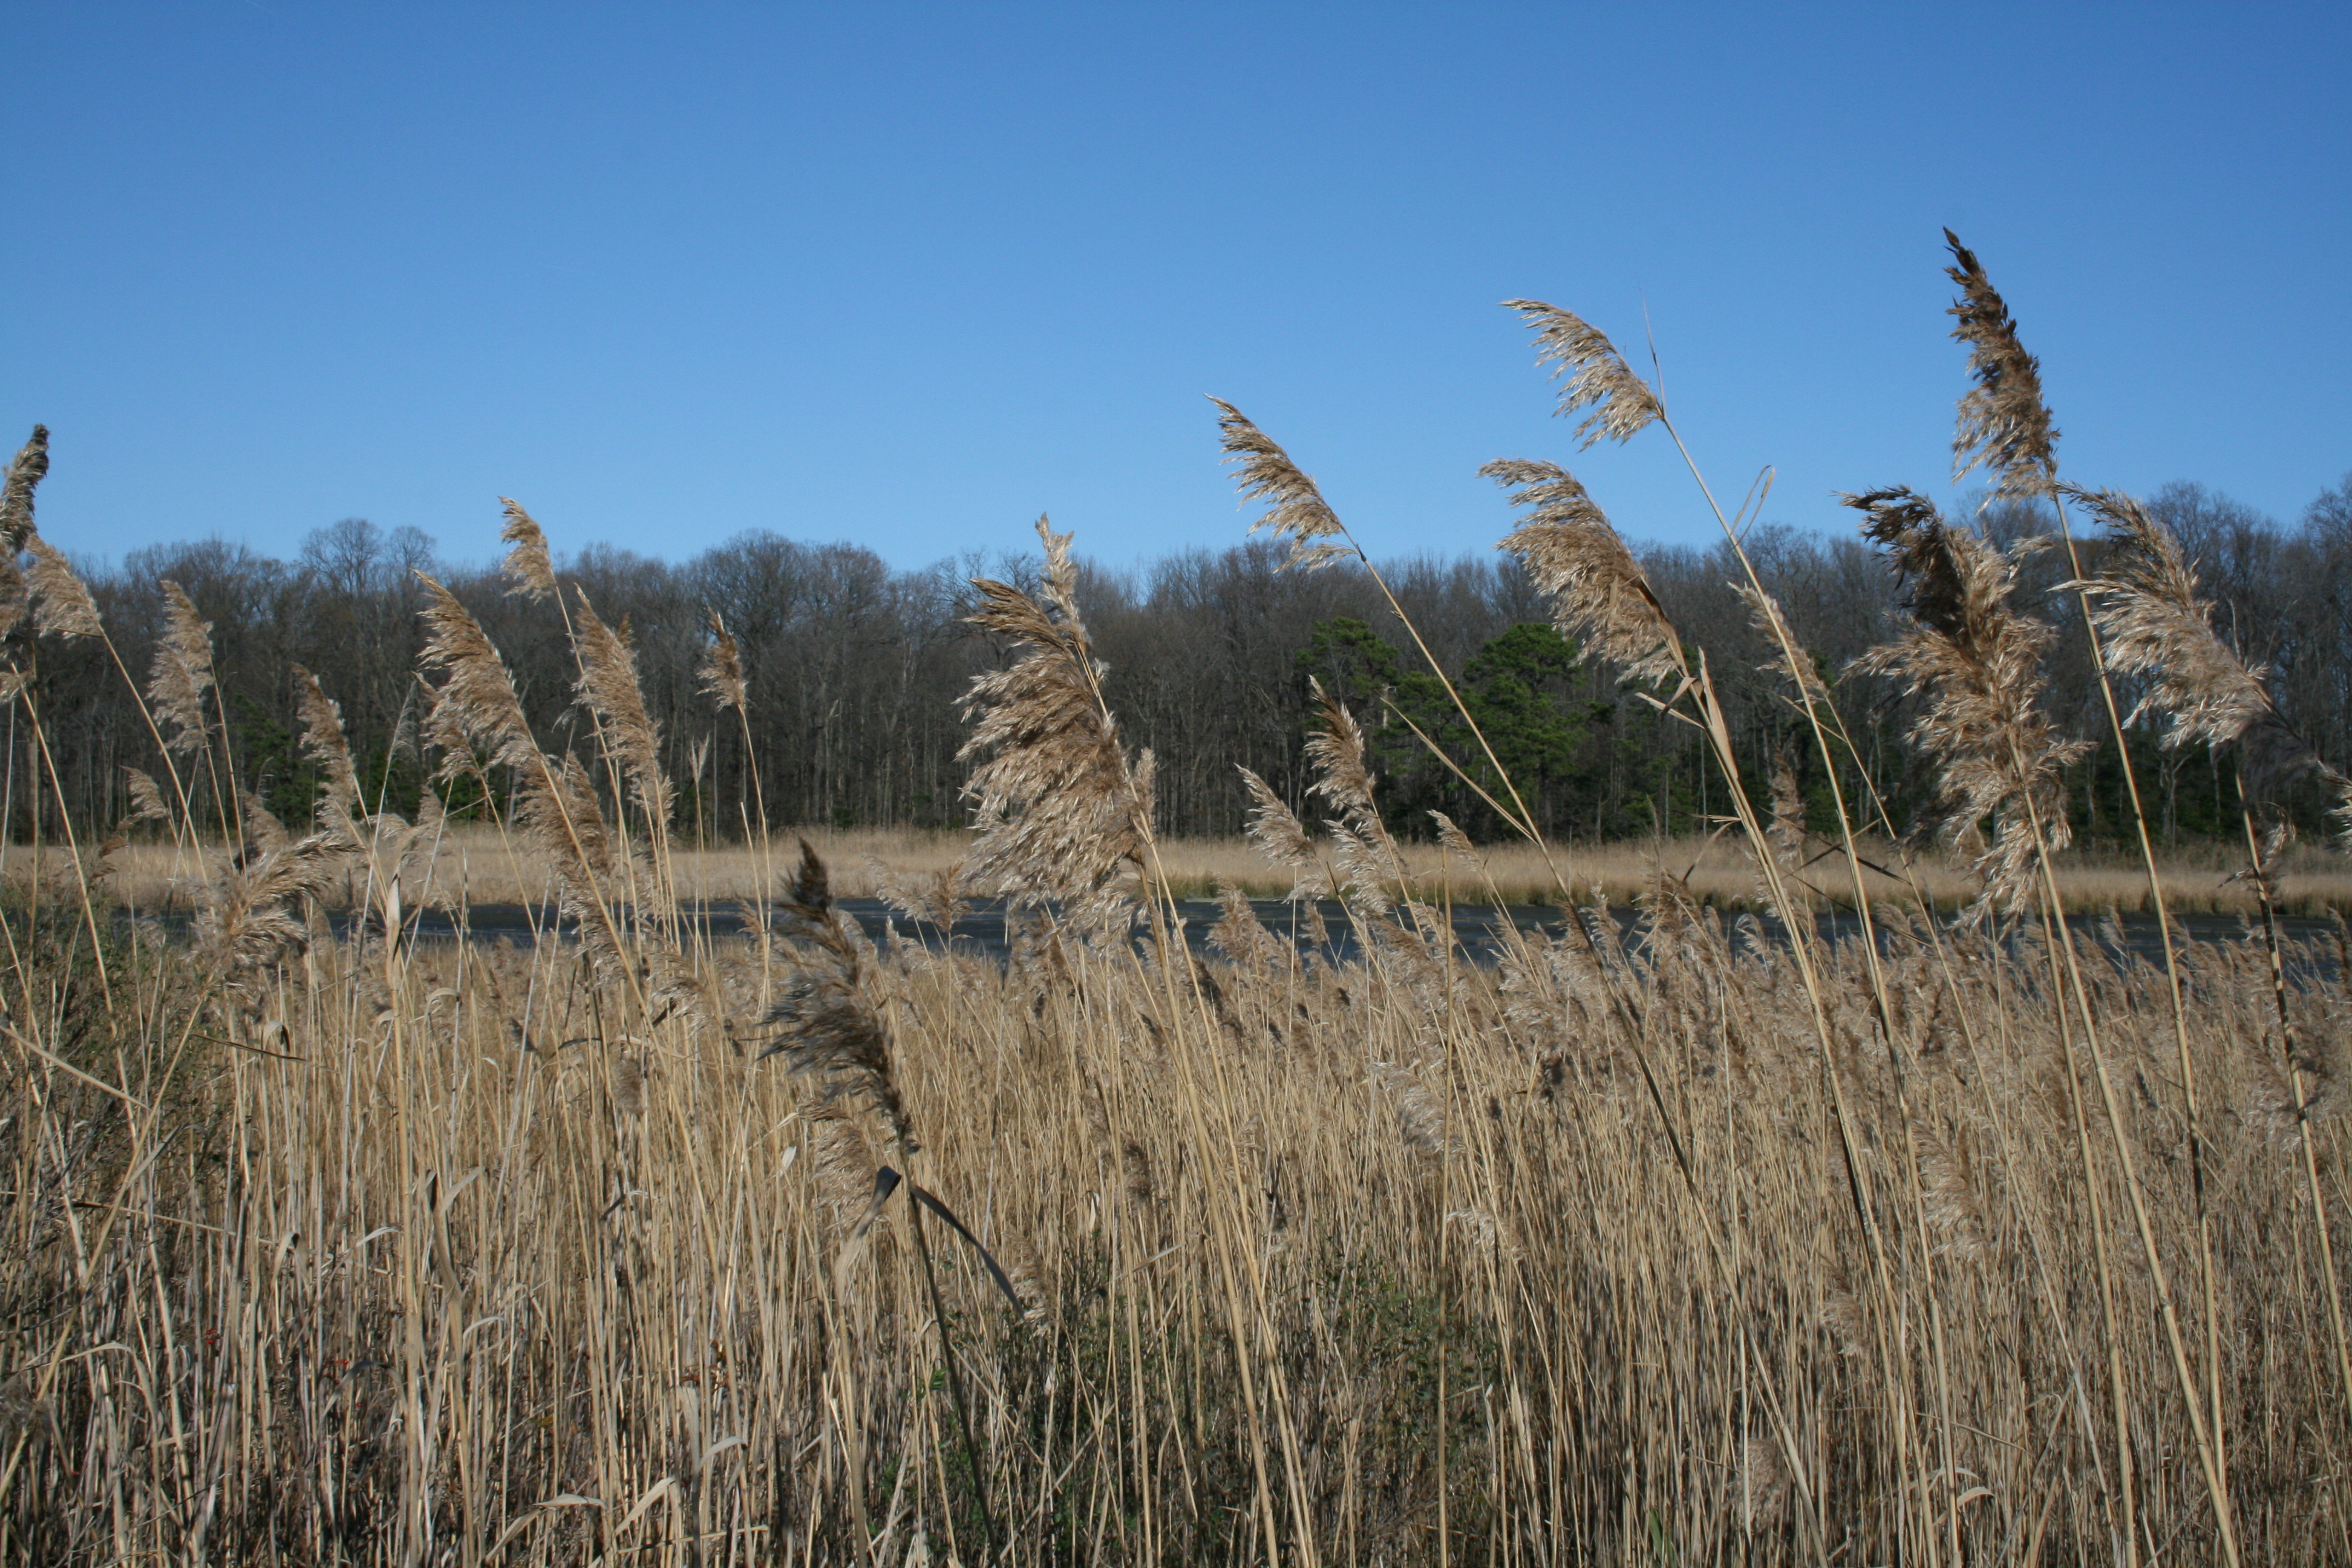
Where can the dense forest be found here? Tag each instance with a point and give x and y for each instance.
(855, 671)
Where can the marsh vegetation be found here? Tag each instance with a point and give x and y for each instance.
(1979, 1241)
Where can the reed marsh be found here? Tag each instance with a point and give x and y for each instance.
(1982, 1241)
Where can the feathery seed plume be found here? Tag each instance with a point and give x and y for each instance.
(1063, 815)
(146, 800)
(828, 1028)
(721, 674)
(477, 705)
(324, 743)
(245, 923)
(1337, 751)
(61, 603)
(1421, 1115)
(1599, 592)
(1456, 841)
(1769, 619)
(628, 1085)
(1763, 1483)
(1979, 662)
(940, 901)
(1949, 1195)
(1362, 852)
(1295, 510)
(558, 807)
(1275, 832)
(1786, 831)
(1239, 935)
(843, 1169)
(2003, 425)
(1364, 871)
(1598, 376)
(608, 684)
(529, 572)
(183, 671)
(264, 834)
(23, 476)
(2153, 623)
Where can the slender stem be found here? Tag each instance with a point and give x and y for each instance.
(2205, 1266)
(2261, 879)
(955, 1377)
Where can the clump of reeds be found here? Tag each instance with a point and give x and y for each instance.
(2157, 627)
(1695, 1244)
(1063, 811)
(826, 1027)
(1977, 661)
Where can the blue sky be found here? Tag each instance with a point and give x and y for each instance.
(910, 275)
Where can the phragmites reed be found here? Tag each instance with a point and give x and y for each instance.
(1063, 816)
(1295, 510)
(324, 743)
(530, 573)
(61, 603)
(1598, 376)
(1420, 1119)
(1785, 832)
(2153, 623)
(844, 1168)
(247, 915)
(721, 674)
(23, 476)
(264, 834)
(939, 899)
(146, 799)
(477, 705)
(477, 721)
(1788, 657)
(827, 1029)
(1979, 662)
(2003, 425)
(559, 808)
(1276, 832)
(1241, 936)
(1600, 595)
(1455, 842)
(1364, 857)
(1337, 753)
(608, 685)
(183, 671)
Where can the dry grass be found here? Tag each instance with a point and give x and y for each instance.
(442, 1249)
(1977, 1243)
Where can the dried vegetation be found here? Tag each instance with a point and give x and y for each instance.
(1981, 1241)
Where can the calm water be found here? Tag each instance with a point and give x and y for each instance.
(1476, 928)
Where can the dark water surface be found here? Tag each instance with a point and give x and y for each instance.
(1477, 928)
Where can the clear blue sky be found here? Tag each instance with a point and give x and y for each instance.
(911, 275)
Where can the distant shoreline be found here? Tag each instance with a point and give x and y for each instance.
(477, 867)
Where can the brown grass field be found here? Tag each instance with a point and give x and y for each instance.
(1984, 1241)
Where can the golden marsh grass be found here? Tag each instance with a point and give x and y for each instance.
(1980, 1238)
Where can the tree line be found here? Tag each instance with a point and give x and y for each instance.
(855, 671)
